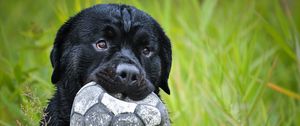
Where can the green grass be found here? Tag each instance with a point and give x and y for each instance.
(234, 62)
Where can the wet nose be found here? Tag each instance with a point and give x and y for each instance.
(127, 73)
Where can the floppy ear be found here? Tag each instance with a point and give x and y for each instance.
(166, 59)
(54, 57)
(57, 50)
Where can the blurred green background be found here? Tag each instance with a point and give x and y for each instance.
(236, 62)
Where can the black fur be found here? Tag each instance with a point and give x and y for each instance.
(76, 60)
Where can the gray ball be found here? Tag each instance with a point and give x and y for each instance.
(93, 106)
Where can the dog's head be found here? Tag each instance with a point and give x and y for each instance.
(120, 47)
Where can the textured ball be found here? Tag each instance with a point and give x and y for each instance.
(93, 106)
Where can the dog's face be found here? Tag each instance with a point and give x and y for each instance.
(120, 47)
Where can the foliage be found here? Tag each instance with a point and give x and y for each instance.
(234, 62)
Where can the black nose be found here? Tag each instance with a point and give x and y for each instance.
(128, 73)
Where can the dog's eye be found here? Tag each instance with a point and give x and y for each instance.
(146, 51)
(109, 33)
(101, 44)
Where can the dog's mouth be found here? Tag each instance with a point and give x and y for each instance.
(109, 81)
(114, 84)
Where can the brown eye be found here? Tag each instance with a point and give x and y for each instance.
(110, 33)
(101, 44)
(146, 51)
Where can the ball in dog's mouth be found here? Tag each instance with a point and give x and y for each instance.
(94, 106)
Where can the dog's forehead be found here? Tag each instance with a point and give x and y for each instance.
(123, 16)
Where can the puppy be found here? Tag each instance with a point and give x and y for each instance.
(118, 46)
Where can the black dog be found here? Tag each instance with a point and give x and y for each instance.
(118, 46)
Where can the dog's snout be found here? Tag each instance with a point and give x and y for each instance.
(127, 73)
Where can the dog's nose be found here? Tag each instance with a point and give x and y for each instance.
(128, 73)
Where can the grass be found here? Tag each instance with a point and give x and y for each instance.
(234, 62)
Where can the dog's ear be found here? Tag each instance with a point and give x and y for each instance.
(166, 59)
(57, 50)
